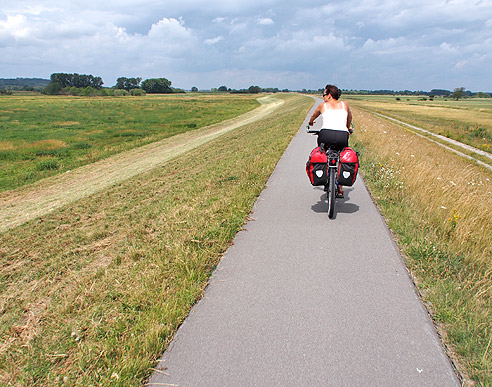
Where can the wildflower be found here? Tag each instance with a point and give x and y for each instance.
(452, 182)
(444, 208)
(454, 218)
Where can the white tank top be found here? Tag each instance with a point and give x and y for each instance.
(335, 119)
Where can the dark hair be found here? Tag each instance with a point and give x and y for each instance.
(333, 90)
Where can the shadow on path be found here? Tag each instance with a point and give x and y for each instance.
(341, 205)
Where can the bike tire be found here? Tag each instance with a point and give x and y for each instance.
(331, 194)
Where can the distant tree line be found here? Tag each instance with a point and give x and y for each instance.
(249, 90)
(89, 85)
(457, 93)
(77, 80)
(74, 84)
(127, 84)
(151, 85)
(23, 84)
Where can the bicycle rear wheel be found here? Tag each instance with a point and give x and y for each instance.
(331, 193)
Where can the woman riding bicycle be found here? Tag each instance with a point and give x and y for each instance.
(337, 118)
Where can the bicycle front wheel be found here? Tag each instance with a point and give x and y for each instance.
(331, 193)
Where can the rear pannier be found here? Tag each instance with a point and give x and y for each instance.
(349, 166)
(317, 167)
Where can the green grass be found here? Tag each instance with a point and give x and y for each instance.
(91, 294)
(66, 132)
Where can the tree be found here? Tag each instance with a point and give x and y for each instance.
(128, 83)
(157, 85)
(440, 92)
(254, 89)
(481, 94)
(222, 88)
(194, 89)
(77, 80)
(62, 79)
(53, 88)
(458, 93)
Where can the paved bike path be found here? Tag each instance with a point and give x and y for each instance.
(302, 300)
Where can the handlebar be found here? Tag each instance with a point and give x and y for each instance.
(313, 131)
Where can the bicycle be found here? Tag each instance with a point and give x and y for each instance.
(333, 162)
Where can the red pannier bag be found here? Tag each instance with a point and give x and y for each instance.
(348, 168)
(317, 167)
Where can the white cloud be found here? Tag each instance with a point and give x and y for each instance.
(309, 42)
(391, 46)
(292, 40)
(170, 30)
(265, 21)
(448, 48)
(461, 64)
(16, 27)
(213, 41)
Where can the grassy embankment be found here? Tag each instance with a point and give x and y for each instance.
(92, 293)
(41, 136)
(439, 207)
(468, 121)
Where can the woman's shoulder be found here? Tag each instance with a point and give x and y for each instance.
(344, 104)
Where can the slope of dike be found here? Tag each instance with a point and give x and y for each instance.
(28, 203)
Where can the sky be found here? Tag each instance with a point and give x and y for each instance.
(293, 44)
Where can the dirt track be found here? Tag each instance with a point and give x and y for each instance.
(27, 203)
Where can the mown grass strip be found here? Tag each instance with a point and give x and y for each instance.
(92, 293)
(439, 206)
(443, 139)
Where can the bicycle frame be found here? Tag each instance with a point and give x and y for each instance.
(331, 187)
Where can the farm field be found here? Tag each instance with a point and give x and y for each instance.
(41, 136)
(439, 207)
(92, 292)
(468, 120)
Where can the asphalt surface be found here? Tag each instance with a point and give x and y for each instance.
(304, 300)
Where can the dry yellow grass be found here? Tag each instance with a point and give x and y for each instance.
(33, 146)
(478, 117)
(440, 207)
(6, 145)
(445, 185)
(66, 123)
(48, 144)
(469, 122)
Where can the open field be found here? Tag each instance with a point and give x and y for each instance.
(439, 206)
(29, 202)
(41, 136)
(91, 293)
(468, 121)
